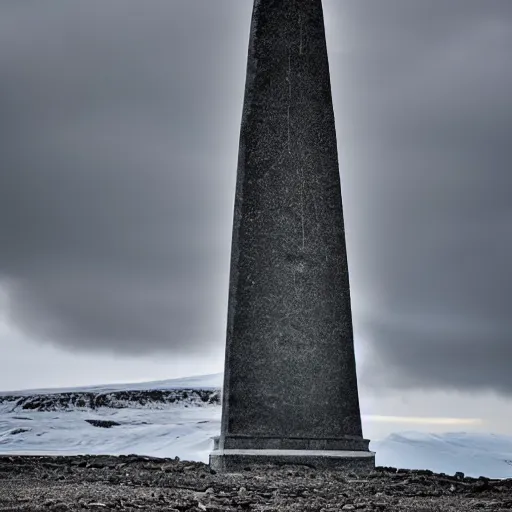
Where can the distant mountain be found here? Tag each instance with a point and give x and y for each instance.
(211, 381)
(175, 417)
(150, 399)
(178, 417)
(188, 391)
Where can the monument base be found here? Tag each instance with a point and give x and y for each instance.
(233, 461)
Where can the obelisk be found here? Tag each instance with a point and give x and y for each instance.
(290, 387)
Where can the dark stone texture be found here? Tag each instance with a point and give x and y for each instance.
(103, 423)
(290, 374)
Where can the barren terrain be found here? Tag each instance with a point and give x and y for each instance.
(31, 483)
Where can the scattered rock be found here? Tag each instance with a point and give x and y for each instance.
(16, 431)
(103, 423)
(150, 483)
(59, 507)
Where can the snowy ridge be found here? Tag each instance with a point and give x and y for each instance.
(149, 399)
(178, 417)
(212, 381)
(175, 417)
(189, 391)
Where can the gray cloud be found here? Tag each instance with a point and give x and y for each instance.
(116, 184)
(424, 123)
(119, 126)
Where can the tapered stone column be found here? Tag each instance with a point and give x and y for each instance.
(290, 387)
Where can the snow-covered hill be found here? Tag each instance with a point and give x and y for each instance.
(127, 399)
(178, 417)
(174, 417)
(212, 381)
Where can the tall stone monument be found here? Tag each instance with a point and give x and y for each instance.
(290, 387)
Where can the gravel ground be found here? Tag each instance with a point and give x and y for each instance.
(144, 483)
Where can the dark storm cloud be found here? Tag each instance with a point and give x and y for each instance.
(119, 127)
(425, 124)
(116, 177)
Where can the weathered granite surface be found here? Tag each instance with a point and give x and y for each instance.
(290, 374)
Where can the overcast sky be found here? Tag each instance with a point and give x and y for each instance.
(119, 126)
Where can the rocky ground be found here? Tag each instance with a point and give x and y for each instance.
(143, 483)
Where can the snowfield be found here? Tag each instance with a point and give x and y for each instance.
(179, 417)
